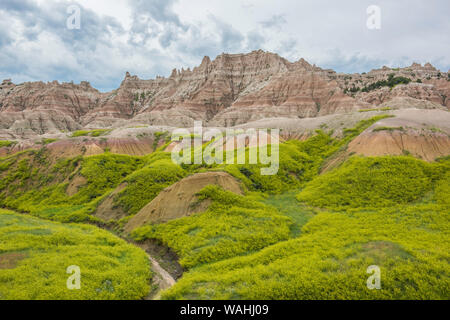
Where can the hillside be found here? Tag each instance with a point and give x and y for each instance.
(34, 256)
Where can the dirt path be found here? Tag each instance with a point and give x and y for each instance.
(162, 280)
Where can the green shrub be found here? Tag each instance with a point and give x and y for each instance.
(391, 82)
(48, 141)
(104, 172)
(295, 167)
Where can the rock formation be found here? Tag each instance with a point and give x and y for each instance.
(230, 90)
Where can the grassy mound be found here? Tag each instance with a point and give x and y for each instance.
(33, 184)
(372, 182)
(233, 225)
(330, 260)
(145, 184)
(35, 254)
(295, 167)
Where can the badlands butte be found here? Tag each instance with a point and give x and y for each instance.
(257, 90)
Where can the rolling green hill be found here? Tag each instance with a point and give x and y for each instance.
(308, 232)
(35, 254)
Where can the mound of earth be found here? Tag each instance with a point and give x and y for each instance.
(426, 146)
(180, 199)
(424, 134)
(107, 210)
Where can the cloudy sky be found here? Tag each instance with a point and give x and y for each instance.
(151, 37)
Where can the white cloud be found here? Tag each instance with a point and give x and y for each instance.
(153, 36)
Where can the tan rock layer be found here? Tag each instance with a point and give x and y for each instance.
(425, 146)
(179, 200)
(230, 90)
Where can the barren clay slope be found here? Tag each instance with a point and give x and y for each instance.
(424, 134)
(179, 200)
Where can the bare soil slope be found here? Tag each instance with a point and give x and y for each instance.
(179, 200)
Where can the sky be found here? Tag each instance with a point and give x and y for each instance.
(40, 39)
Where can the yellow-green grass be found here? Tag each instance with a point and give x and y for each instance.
(390, 129)
(287, 204)
(144, 185)
(6, 143)
(32, 182)
(35, 255)
(374, 182)
(392, 213)
(233, 225)
(47, 141)
(91, 133)
(387, 211)
(34, 185)
(329, 260)
(375, 109)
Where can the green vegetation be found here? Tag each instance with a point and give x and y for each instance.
(47, 141)
(295, 167)
(158, 136)
(233, 225)
(376, 109)
(308, 232)
(399, 223)
(6, 143)
(288, 205)
(391, 82)
(299, 162)
(35, 254)
(71, 189)
(435, 130)
(91, 133)
(372, 182)
(329, 260)
(388, 129)
(35, 186)
(145, 184)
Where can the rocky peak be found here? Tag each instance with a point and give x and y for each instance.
(229, 90)
(205, 62)
(7, 83)
(175, 73)
(129, 79)
(429, 66)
